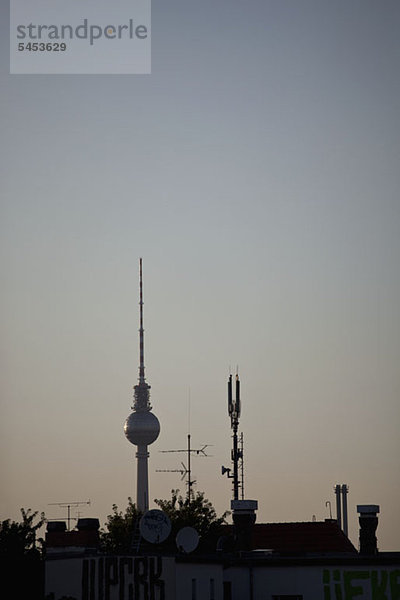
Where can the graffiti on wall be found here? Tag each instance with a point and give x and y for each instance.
(123, 577)
(348, 585)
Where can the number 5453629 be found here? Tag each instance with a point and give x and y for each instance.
(42, 47)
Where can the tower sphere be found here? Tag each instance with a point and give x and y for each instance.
(142, 428)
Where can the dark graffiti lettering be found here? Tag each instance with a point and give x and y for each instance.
(155, 579)
(124, 577)
(141, 575)
(125, 563)
(100, 576)
(111, 575)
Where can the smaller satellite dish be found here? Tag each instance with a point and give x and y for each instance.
(187, 539)
(155, 526)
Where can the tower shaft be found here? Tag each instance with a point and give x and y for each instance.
(142, 482)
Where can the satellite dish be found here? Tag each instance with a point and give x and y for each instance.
(187, 539)
(155, 526)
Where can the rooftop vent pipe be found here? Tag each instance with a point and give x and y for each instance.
(341, 492)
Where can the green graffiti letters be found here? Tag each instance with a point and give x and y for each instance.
(372, 585)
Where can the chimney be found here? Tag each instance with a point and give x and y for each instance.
(88, 525)
(341, 492)
(338, 507)
(84, 539)
(244, 517)
(345, 491)
(368, 523)
(56, 526)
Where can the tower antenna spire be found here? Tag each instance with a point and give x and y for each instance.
(141, 330)
(142, 389)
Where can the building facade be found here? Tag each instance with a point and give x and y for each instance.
(247, 577)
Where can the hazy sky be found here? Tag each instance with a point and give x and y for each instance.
(256, 171)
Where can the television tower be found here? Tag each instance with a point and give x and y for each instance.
(142, 427)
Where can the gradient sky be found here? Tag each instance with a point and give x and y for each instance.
(256, 171)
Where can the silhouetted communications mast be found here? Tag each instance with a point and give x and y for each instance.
(234, 409)
(234, 413)
(243, 511)
(142, 427)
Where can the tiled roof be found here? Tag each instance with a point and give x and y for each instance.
(307, 537)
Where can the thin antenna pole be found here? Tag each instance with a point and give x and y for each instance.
(189, 472)
(189, 453)
(189, 412)
(141, 330)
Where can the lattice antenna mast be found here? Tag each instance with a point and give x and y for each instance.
(242, 464)
(234, 409)
(142, 390)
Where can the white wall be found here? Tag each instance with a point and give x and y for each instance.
(316, 583)
(201, 576)
(118, 578)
